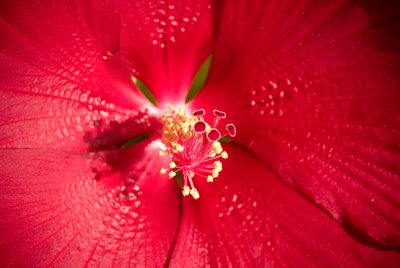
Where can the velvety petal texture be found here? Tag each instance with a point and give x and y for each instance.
(62, 81)
(312, 87)
(248, 218)
(166, 42)
(66, 210)
(318, 100)
(66, 91)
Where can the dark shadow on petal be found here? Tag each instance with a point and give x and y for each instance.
(177, 232)
(385, 21)
(110, 135)
(119, 167)
(363, 238)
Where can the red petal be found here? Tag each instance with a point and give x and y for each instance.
(61, 77)
(248, 218)
(166, 41)
(316, 95)
(65, 210)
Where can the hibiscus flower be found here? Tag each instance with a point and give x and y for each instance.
(310, 179)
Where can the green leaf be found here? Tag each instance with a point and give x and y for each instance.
(200, 79)
(178, 179)
(225, 140)
(144, 89)
(134, 141)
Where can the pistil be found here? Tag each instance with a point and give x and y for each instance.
(193, 147)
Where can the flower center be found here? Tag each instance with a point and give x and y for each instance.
(193, 147)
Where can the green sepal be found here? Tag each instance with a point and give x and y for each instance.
(134, 141)
(199, 79)
(144, 89)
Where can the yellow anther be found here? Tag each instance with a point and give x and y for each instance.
(185, 125)
(210, 178)
(224, 155)
(163, 171)
(179, 148)
(217, 147)
(191, 173)
(185, 190)
(195, 193)
(171, 174)
(218, 165)
(215, 173)
(161, 153)
(181, 112)
(172, 165)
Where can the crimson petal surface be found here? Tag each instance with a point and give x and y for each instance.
(313, 89)
(62, 209)
(247, 217)
(62, 79)
(166, 42)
